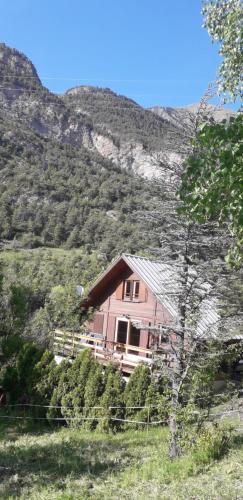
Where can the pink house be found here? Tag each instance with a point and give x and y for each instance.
(131, 302)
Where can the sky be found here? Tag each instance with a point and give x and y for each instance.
(153, 51)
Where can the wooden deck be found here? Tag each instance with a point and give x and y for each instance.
(124, 356)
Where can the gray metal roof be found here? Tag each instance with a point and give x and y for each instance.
(159, 277)
(164, 281)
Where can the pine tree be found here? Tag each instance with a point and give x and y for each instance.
(112, 403)
(136, 391)
(93, 391)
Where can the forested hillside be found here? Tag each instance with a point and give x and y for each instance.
(53, 194)
(69, 164)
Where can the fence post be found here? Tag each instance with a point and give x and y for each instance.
(148, 417)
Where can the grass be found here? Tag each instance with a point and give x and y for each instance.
(40, 463)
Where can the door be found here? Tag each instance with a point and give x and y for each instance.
(121, 335)
(134, 339)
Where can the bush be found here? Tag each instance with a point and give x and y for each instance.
(11, 346)
(136, 391)
(93, 391)
(212, 444)
(70, 392)
(112, 397)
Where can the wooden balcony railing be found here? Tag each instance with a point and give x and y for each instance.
(72, 343)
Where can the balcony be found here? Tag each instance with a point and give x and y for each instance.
(124, 356)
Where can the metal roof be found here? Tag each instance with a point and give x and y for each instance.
(159, 277)
(164, 281)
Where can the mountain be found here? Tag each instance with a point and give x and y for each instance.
(69, 163)
(98, 119)
(185, 118)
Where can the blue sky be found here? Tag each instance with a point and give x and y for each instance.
(154, 51)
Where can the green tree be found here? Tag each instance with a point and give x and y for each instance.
(136, 391)
(93, 391)
(224, 22)
(112, 403)
(70, 392)
(212, 182)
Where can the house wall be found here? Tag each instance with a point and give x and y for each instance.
(149, 312)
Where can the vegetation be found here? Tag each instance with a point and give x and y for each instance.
(212, 181)
(223, 20)
(57, 195)
(125, 118)
(211, 185)
(70, 464)
(38, 290)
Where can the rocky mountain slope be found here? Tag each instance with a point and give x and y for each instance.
(146, 141)
(68, 163)
(98, 119)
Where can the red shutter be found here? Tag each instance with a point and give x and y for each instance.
(111, 332)
(142, 292)
(98, 323)
(144, 339)
(119, 291)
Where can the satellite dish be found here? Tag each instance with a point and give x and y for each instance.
(80, 290)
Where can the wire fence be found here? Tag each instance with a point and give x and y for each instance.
(148, 409)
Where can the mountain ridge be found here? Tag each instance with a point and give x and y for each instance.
(147, 141)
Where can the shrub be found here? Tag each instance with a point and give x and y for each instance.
(212, 444)
(11, 346)
(70, 392)
(93, 391)
(112, 397)
(19, 376)
(136, 391)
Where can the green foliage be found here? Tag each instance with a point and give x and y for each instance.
(93, 390)
(112, 397)
(70, 392)
(212, 443)
(39, 290)
(211, 186)
(11, 346)
(19, 375)
(157, 402)
(136, 391)
(57, 195)
(224, 22)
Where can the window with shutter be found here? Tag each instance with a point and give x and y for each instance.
(134, 290)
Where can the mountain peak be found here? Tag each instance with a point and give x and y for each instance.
(16, 70)
(89, 89)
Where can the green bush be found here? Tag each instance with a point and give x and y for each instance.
(136, 392)
(11, 346)
(113, 396)
(93, 391)
(212, 444)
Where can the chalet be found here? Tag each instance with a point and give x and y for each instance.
(130, 301)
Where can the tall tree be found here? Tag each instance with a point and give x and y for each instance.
(224, 21)
(212, 181)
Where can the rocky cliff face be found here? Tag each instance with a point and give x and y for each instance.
(67, 163)
(97, 119)
(149, 142)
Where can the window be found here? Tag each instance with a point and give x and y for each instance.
(128, 289)
(131, 290)
(135, 289)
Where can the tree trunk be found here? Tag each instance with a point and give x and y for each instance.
(174, 449)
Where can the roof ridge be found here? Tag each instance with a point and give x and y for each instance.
(140, 257)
